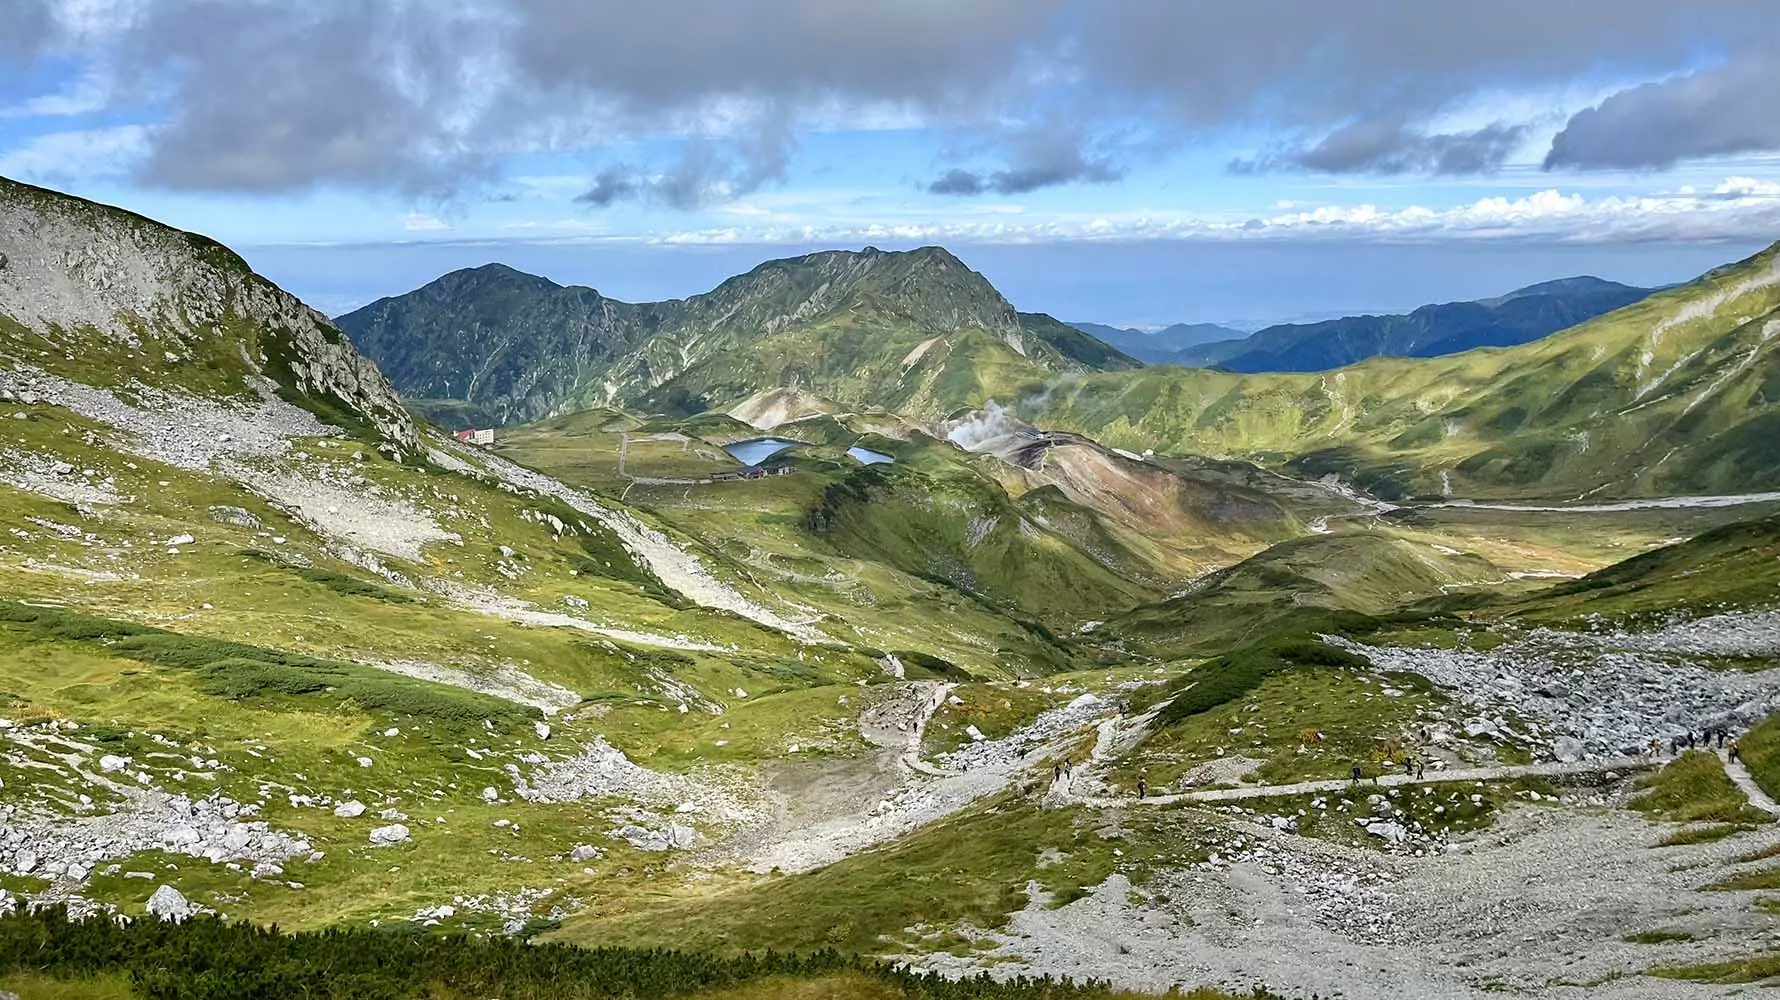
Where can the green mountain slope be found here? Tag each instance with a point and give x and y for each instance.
(1735, 565)
(916, 329)
(1676, 394)
(1518, 317)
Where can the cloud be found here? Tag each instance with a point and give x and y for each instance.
(27, 27)
(420, 222)
(83, 153)
(1042, 154)
(263, 96)
(271, 97)
(1392, 148)
(1020, 180)
(83, 96)
(1717, 112)
(1739, 209)
(959, 181)
(613, 184)
(706, 171)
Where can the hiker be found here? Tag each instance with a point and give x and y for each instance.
(1356, 776)
(1421, 768)
(1408, 765)
(1736, 755)
(1142, 786)
(1721, 737)
(1056, 772)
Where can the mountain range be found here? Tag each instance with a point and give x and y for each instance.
(1158, 346)
(1678, 393)
(1603, 406)
(907, 329)
(1520, 316)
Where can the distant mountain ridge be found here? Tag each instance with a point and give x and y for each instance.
(915, 329)
(1678, 393)
(1157, 346)
(1519, 317)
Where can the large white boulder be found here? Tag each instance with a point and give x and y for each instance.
(169, 904)
(384, 836)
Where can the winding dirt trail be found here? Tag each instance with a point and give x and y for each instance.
(1385, 781)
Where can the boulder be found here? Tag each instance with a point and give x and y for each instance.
(384, 836)
(1393, 832)
(584, 852)
(237, 516)
(112, 763)
(642, 838)
(170, 905)
(352, 809)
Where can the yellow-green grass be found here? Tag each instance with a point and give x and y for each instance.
(36, 986)
(972, 868)
(1760, 750)
(1752, 969)
(1693, 788)
(997, 710)
(1338, 718)
(312, 748)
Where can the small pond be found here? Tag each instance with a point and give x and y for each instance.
(758, 450)
(865, 456)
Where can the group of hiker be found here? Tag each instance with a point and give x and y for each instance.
(1413, 767)
(1705, 739)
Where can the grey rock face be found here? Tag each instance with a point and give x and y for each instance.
(170, 905)
(77, 269)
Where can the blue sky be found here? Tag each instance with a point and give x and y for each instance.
(1129, 161)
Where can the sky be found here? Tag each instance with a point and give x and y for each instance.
(1136, 162)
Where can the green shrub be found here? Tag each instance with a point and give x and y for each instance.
(207, 959)
(1229, 677)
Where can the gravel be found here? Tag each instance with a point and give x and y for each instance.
(1542, 899)
(1608, 692)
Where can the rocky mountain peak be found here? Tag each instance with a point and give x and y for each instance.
(100, 281)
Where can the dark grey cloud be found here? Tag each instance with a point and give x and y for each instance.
(1716, 112)
(1048, 152)
(610, 186)
(1390, 148)
(706, 171)
(1020, 180)
(960, 182)
(269, 96)
(26, 26)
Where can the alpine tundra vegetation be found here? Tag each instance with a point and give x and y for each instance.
(849, 627)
